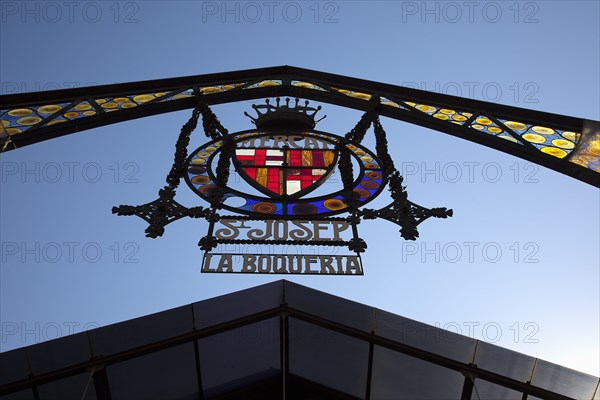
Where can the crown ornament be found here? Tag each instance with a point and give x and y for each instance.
(284, 116)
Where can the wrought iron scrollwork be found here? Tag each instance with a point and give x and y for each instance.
(164, 210)
(161, 212)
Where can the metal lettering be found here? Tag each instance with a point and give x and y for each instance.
(304, 233)
(282, 230)
(259, 234)
(282, 264)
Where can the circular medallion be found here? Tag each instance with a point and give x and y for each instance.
(201, 179)
(373, 175)
(207, 189)
(276, 173)
(264, 208)
(334, 204)
(362, 193)
(304, 209)
(370, 185)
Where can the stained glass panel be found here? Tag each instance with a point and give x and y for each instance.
(285, 171)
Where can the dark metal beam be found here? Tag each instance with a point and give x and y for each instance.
(372, 338)
(287, 73)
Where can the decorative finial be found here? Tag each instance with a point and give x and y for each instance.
(284, 116)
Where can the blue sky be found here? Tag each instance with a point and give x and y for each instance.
(78, 266)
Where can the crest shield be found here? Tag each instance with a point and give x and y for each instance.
(284, 172)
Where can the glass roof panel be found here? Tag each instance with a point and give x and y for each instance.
(487, 390)
(73, 387)
(330, 307)
(167, 375)
(13, 366)
(59, 353)
(330, 358)
(505, 362)
(398, 376)
(239, 304)
(140, 331)
(22, 395)
(564, 381)
(425, 337)
(239, 357)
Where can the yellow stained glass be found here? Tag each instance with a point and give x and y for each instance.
(71, 114)
(580, 161)
(563, 144)
(458, 117)
(306, 158)
(128, 105)
(110, 104)
(441, 116)
(447, 111)
(553, 151)
(426, 108)
(261, 176)
(13, 131)
(543, 130)
(268, 83)
(509, 138)
(198, 161)
(391, 104)
(142, 98)
(29, 120)
(359, 95)
(83, 107)
(478, 127)
(514, 125)
(573, 136)
(533, 138)
(88, 113)
(181, 96)
(50, 109)
(328, 157)
(483, 121)
(304, 85)
(494, 129)
(56, 121)
(211, 89)
(20, 112)
(121, 99)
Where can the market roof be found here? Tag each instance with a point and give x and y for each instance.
(280, 338)
(565, 144)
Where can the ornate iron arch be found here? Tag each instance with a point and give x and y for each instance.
(565, 144)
